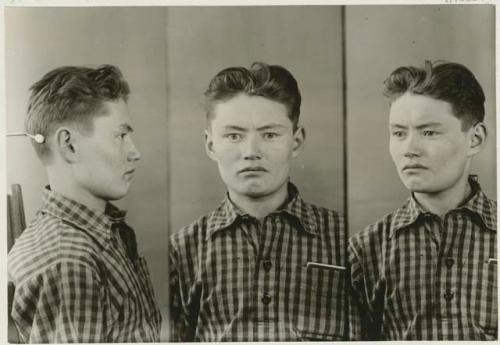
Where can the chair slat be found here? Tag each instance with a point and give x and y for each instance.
(10, 236)
(18, 219)
(16, 223)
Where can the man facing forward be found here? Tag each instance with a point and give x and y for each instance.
(240, 273)
(76, 270)
(428, 270)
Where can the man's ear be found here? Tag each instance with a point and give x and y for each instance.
(477, 138)
(64, 143)
(209, 145)
(299, 138)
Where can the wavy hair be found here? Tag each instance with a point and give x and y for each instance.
(71, 94)
(445, 81)
(269, 81)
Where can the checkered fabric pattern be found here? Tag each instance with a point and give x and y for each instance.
(74, 281)
(417, 276)
(237, 278)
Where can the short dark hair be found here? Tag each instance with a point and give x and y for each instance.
(270, 81)
(71, 94)
(445, 81)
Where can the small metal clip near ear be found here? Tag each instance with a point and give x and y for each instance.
(40, 139)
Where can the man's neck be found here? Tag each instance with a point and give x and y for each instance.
(60, 183)
(442, 202)
(262, 206)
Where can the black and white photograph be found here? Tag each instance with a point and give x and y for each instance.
(246, 172)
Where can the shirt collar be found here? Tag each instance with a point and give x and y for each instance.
(481, 205)
(228, 213)
(297, 208)
(478, 203)
(97, 224)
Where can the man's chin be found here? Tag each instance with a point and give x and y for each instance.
(413, 183)
(116, 194)
(417, 187)
(255, 189)
(255, 192)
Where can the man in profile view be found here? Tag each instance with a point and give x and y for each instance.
(264, 265)
(77, 273)
(428, 270)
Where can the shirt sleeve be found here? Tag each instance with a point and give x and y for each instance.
(362, 324)
(64, 305)
(178, 318)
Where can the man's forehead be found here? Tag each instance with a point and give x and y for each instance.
(243, 103)
(423, 119)
(116, 112)
(246, 120)
(419, 104)
(421, 110)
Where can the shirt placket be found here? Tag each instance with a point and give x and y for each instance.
(136, 274)
(264, 283)
(429, 262)
(446, 294)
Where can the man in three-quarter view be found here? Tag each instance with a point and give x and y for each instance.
(428, 270)
(77, 273)
(265, 265)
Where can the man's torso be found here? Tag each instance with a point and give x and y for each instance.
(432, 278)
(38, 264)
(250, 281)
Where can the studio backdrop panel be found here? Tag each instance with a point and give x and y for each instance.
(378, 40)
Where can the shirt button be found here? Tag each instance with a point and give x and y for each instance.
(449, 262)
(267, 264)
(448, 295)
(266, 299)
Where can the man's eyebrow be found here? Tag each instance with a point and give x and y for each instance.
(397, 126)
(429, 125)
(270, 126)
(421, 126)
(126, 127)
(234, 128)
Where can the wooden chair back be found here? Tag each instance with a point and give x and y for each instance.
(16, 223)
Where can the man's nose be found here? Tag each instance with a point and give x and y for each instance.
(133, 154)
(251, 149)
(412, 148)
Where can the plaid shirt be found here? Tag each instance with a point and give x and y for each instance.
(74, 281)
(417, 276)
(237, 278)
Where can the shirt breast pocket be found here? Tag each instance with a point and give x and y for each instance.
(322, 298)
(483, 294)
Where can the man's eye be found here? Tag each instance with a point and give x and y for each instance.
(398, 134)
(270, 135)
(430, 133)
(233, 136)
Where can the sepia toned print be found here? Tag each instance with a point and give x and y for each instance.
(164, 182)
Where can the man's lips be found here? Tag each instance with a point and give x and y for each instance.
(129, 172)
(252, 169)
(414, 167)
